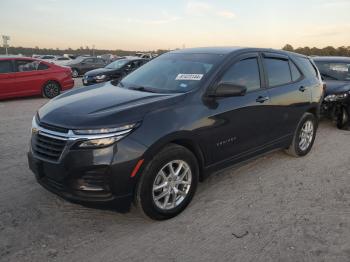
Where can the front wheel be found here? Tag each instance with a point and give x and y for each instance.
(51, 89)
(304, 136)
(168, 183)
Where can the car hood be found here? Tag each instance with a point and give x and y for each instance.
(103, 105)
(336, 87)
(101, 71)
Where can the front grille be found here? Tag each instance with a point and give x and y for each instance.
(47, 147)
(53, 128)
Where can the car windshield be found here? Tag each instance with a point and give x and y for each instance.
(334, 70)
(172, 73)
(117, 64)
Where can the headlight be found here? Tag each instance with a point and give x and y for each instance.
(333, 98)
(100, 77)
(104, 130)
(103, 142)
(103, 137)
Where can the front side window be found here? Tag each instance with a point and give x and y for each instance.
(172, 73)
(27, 65)
(278, 72)
(334, 71)
(244, 73)
(6, 67)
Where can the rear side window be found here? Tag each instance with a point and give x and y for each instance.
(245, 72)
(307, 68)
(295, 71)
(5, 67)
(42, 66)
(27, 65)
(278, 72)
(89, 61)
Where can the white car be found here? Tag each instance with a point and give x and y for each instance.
(61, 60)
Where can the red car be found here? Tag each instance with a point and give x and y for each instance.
(22, 76)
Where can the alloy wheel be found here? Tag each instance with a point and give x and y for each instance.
(306, 135)
(172, 184)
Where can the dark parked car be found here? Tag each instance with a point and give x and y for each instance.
(168, 124)
(335, 72)
(23, 76)
(82, 64)
(114, 71)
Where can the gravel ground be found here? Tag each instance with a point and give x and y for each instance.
(275, 208)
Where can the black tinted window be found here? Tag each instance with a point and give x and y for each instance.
(295, 72)
(278, 72)
(5, 67)
(89, 60)
(42, 67)
(307, 68)
(245, 73)
(26, 65)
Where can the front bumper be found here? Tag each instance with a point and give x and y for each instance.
(90, 176)
(87, 81)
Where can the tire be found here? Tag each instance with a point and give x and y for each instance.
(150, 200)
(51, 89)
(297, 147)
(75, 72)
(343, 118)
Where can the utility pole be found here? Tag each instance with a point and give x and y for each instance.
(5, 39)
(93, 50)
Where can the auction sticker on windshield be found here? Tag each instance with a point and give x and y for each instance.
(193, 77)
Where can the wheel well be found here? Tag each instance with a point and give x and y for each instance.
(55, 81)
(314, 111)
(196, 151)
(58, 83)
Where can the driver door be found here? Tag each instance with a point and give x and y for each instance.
(242, 122)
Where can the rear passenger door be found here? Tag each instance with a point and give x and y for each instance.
(28, 80)
(7, 79)
(288, 91)
(87, 65)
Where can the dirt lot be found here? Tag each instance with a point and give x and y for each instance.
(276, 208)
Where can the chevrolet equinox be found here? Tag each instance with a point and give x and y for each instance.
(151, 137)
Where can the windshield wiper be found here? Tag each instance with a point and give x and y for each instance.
(142, 88)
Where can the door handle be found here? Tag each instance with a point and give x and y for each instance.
(302, 89)
(262, 99)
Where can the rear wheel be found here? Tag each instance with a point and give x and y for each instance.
(304, 136)
(51, 89)
(168, 183)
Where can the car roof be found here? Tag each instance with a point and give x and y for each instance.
(230, 50)
(331, 58)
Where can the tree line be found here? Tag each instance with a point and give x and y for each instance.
(314, 51)
(29, 51)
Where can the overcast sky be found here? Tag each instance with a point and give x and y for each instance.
(168, 24)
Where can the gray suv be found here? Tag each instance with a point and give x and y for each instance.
(81, 65)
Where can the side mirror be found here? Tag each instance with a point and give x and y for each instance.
(226, 89)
